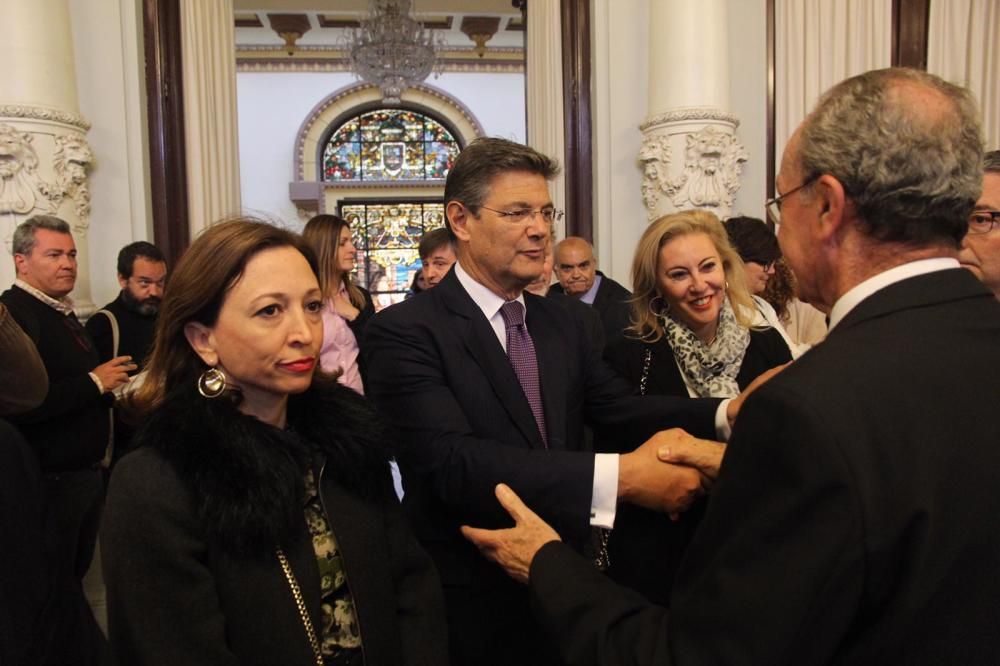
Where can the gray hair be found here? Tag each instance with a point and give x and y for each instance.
(914, 171)
(991, 162)
(484, 159)
(24, 236)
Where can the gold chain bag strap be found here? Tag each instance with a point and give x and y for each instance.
(602, 561)
(300, 603)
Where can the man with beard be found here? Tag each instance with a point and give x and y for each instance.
(126, 325)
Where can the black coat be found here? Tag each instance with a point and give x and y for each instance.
(646, 547)
(854, 520)
(69, 430)
(194, 516)
(441, 376)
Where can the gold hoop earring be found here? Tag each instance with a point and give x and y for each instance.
(212, 383)
(662, 311)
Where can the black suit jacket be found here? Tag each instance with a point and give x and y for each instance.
(646, 547)
(611, 302)
(438, 372)
(855, 516)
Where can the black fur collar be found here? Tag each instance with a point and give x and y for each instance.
(247, 476)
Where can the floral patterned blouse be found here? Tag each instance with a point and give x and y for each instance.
(339, 633)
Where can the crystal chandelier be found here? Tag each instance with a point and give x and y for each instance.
(391, 49)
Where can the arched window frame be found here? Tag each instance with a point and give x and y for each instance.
(368, 108)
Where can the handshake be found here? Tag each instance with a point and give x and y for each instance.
(669, 471)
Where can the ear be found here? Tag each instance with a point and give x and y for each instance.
(202, 342)
(458, 217)
(19, 261)
(833, 212)
(122, 281)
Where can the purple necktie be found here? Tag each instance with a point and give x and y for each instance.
(521, 352)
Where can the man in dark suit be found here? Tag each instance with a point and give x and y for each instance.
(576, 270)
(854, 518)
(486, 383)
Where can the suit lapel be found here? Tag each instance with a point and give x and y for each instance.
(481, 342)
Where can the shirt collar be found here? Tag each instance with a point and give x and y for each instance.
(63, 305)
(861, 291)
(484, 299)
(589, 296)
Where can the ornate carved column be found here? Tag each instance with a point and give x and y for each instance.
(210, 122)
(690, 155)
(44, 155)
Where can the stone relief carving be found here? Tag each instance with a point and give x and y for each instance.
(713, 164)
(23, 190)
(709, 176)
(20, 185)
(71, 160)
(655, 156)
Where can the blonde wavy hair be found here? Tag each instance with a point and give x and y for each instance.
(645, 267)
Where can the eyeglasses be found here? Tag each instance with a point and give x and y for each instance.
(524, 214)
(984, 221)
(766, 265)
(773, 206)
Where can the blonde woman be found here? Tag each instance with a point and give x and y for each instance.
(691, 335)
(348, 307)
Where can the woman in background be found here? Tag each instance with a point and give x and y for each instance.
(348, 306)
(692, 334)
(256, 523)
(805, 325)
(758, 248)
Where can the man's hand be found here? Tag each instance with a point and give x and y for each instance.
(513, 548)
(114, 373)
(704, 454)
(733, 408)
(644, 480)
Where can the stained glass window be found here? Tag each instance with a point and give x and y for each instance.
(387, 235)
(389, 145)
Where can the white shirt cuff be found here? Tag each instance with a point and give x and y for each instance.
(97, 380)
(604, 499)
(722, 427)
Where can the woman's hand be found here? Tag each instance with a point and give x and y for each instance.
(342, 305)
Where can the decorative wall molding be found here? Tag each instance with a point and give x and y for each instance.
(25, 112)
(709, 175)
(690, 114)
(268, 58)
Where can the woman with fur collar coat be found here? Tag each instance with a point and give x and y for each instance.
(256, 524)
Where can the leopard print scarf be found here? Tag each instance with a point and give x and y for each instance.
(710, 370)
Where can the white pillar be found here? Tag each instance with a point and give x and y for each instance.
(543, 79)
(690, 155)
(208, 53)
(44, 155)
